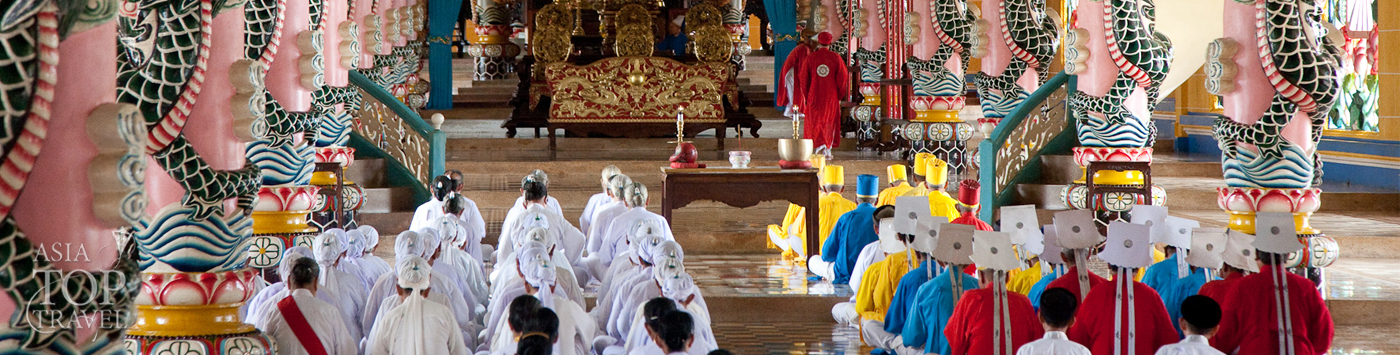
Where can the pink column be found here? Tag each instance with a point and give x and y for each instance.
(335, 13)
(284, 78)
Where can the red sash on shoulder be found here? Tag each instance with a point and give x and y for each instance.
(297, 321)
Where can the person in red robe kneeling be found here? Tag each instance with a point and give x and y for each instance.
(1259, 319)
(991, 320)
(822, 83)
(968, 191)
(1124, 316)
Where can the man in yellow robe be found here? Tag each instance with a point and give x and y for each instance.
(791, 237)
(920, 175)
(936, 176)
(898, 175)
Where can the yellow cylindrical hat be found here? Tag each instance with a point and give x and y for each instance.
(920, 161)
(897, 172)
(834, 175)
(936, 171)
(818, 161)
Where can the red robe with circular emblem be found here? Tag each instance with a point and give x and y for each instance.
(822, 83)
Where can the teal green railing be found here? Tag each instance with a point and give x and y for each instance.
(1011, 155)
(413, 150)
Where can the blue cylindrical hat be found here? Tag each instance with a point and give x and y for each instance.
(867, 185)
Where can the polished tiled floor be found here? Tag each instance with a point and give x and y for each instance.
(751, 275)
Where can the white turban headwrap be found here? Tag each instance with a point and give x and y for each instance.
(414, 274)
(452, 232)
(370, 235)
(327, 248)
(285, 267)
(537, 270)
(668, 250)
(354, 244)
(431, 240)
(408, 244)
(666, 268)
(678, 287)
(648, 247)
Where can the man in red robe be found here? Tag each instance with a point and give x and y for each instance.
(1070, 281)
(785, 95)
(1123, 316)
(822, 83)
(1261, 320)
(991, 320)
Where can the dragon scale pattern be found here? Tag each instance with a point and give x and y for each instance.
(1032, 36)
(1143, 56)
(1302, 68)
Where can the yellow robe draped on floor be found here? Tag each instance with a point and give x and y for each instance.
(878, 285)
(833, 205)
(889, 194)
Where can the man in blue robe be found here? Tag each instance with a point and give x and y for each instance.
(1039, 288)
(1162, 275)
(852, 232)
(933, 305)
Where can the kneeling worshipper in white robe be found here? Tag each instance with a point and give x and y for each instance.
(473, 273)
(354, 252)
(622, 268)
(428, 212)
(416, 326)
(533, 189)
(371, 265)
(565, 280)
(622, 285)
(605, 212)
(615, 239)
(433, 252)
(678, 289)
(410, 244)
(598, 199)
(565, 242)
(576, 329)
(345, 287)
(537, 215)
(530, 253)
(268, 296)
(301, 324)
(458, 209)
(669, 261)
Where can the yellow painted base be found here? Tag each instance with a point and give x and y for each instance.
(871, 100)
(936, 116)
(323, 178)
(1244, 223)
(177, 321)
(1109, 177)
(281, 222)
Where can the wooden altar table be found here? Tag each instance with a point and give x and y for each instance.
(745, 188)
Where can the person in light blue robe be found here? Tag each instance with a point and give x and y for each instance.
(933, 305)
(1162, 275)
(1039, 288)
(1179, 290)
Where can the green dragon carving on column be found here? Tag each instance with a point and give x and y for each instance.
(164, 46)
(1143, 57)
(1301, 63)
(1031, 32)
(953, 26)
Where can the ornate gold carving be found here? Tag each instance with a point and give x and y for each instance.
(552, 43)
(634, 35)
(709, 40)
(385, 129)
(1046, 121)
(645, 90)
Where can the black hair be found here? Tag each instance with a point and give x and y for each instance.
(1201, 313)
(657, 307)
(538, 335)
(523, 309)
(1057, 307)
(720, 352)
(455, 204)
(443, 185)
(534, 190)
(304, 273)
(675, 328)
(883, 212)
(1270, 258)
